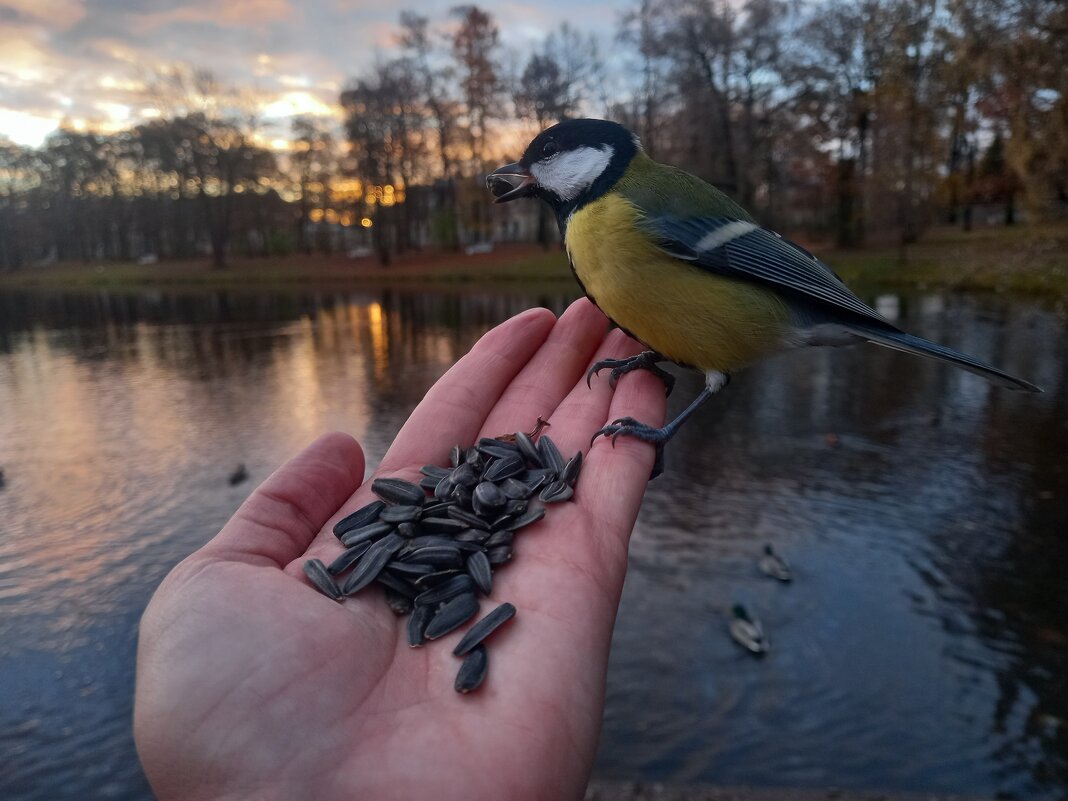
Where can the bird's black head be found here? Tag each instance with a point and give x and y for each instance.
(567, 165)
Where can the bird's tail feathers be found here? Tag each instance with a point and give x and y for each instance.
(899, 340)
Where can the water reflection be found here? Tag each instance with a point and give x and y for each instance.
(921, 648)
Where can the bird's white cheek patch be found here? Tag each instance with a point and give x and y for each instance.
(569, 174)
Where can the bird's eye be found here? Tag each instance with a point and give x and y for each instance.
(550, 148)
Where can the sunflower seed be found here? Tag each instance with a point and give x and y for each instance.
(498, 450)
(399, 514)
(550, 455)
(430, 483)
(348, 558)
(408, 569)
(515, 508)
(484, 628)
(361, 517)
(376, 558)
(555, 492)
(442, 525)
(528, 449)
(408, 530)
(433, 471)
(437, 555)
(400, 604)
(436, 578)
(498, 539)
(437, 508)
(444, 488)
(514, 490)
(452, 615)
(469, 519)
(424, 541)
(493, 443)
(569, 475)
(498, 556)
(417, 624)
(316, 572)
(504, 468)
(457, 585)
(487, 499)
(481, 572)
(461, 495)
(473, 457)
(397, 490)
(366, 534)
(527, 518)
(500, 522)
(536, 479)
(456, 455)
(465, 475)
(473, 670)
(476, 536)
(397, 584)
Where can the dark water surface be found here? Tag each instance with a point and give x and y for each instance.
(923, 646)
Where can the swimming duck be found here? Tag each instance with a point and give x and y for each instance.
(747, 631)
(772, 564)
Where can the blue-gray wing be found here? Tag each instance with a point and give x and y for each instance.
(741, 249)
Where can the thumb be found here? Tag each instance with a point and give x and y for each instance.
(282, 516)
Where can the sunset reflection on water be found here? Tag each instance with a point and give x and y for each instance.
(918, 649)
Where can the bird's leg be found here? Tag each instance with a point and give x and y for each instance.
(646, 360)
(714, 382)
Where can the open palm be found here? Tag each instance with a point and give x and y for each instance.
(251, 684)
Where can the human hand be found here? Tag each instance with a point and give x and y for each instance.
(251, 684)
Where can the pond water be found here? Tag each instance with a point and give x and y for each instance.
(922, 647)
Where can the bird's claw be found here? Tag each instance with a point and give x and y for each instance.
(647, 360)
(646, 433)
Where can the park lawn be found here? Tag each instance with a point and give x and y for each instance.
(1023, 259)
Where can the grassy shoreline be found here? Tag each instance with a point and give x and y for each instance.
(1026, 261)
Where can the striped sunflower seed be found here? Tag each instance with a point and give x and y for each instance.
(480, 571)
(472, 535)
(569, 475)
(469, 519)
(397, 490)
(399, 603)
(436, 578)
(514, 489)
(472, 671)
(441, 525)
(430, 483)
(316, 572)
(527, 518)
(348, 558)
(417, 624)
(484, 628)
(503, 537)
(433, 471)
(556, 492)
(504, 468)
(397, 584)
(452, 615)
(457, 585)
(363, 516)
(372, 564)
(456, 455)
(366, 534)
(550, 455)
(400, 514)
(444, 488)
(439, 556)
(528, 449)
(487, 499)
(465, 475)
(408, 569)
(499, 555)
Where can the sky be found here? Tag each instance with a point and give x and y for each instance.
(84, 62)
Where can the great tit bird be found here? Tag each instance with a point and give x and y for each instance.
(688, 272)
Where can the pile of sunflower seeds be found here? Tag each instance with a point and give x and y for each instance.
(434, 546)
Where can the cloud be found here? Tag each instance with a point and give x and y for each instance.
(88, 59)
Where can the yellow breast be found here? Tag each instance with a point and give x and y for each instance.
(689, 315)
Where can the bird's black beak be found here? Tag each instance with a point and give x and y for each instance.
(509, 182)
